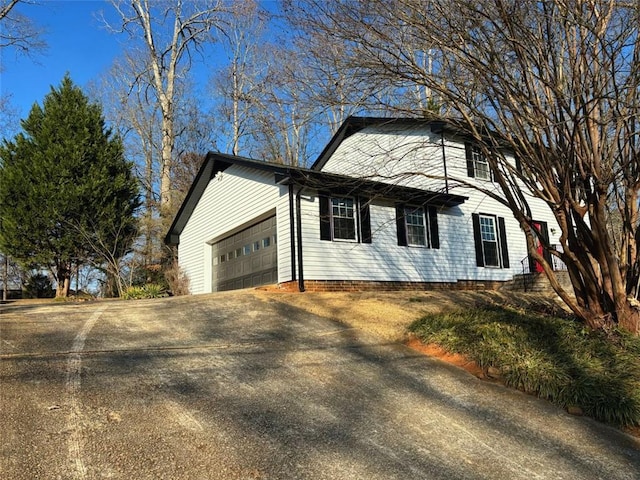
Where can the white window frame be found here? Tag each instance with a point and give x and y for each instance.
(409, 211)
(481, 168)
(353, 218)
(496, 240)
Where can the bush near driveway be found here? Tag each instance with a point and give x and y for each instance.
(554, 358)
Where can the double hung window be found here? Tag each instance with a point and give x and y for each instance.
(417, 226)
(477, 163)
(490, 239)
(344, 219)
(416, 231)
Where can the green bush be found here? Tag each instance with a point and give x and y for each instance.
(150, 290)
(553, 358)
(38, 285)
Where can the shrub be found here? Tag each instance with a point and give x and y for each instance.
(150, 290)
(177, 280)
(38, 285)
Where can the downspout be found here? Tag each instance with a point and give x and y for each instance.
(444, 161)
(292, 235)
(299, 225)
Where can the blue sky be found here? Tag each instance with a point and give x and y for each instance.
(77, 42)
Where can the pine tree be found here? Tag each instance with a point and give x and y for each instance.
(65, 187)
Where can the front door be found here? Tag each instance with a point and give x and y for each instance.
(541, 227)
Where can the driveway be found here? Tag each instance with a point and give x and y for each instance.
(241, 386)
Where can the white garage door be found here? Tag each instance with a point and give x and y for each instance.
(247, 258)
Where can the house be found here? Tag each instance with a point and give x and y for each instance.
(387, 205)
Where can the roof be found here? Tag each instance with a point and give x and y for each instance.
(302, 177)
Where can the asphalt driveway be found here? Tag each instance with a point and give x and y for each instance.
(236, 386)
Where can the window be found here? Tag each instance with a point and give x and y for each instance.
(344, 218)
(477, 163)
(490, 241)
(343, 221)
(414, 220)
(417, 226)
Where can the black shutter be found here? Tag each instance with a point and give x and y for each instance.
(518, 164)
(477, 238)
(492, 175)
(468, 148)
(325, 218)
(400, 226)
(365, 221)
(433, 227)
(503, 243)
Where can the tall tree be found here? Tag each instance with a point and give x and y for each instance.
(557, 84)
(63, 175)
(239, 85)
(171, 32)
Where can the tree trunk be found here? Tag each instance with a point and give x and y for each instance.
(629, 318)
(63, 279)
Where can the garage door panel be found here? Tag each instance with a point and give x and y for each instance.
(247, 258)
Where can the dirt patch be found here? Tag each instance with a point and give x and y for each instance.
(433, 350)
(389, 314)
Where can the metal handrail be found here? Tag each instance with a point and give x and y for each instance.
(525, 271)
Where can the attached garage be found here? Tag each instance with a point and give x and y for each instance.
(246, 258)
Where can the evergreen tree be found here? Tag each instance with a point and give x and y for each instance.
(67, 194)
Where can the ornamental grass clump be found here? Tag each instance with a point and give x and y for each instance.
(553, 358)
(150, 290)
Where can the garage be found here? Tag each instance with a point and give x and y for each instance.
(247, 258)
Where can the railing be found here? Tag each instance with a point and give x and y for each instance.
(557, 265)
(525, 263)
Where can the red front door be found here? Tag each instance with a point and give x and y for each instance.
(538, 226)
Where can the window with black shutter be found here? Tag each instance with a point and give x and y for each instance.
(344, 218)
(417, 226)
(490, 239)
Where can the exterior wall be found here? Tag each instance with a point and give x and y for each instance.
(391, 153)
(384, 153)
(383, 260)
(235, 197)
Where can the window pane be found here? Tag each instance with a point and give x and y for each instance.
(491, 254)
(488, 229)
(344, 228)
(343, 218)
(266, 242)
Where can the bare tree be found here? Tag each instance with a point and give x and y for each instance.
(18, 31)
(239, 85)
(555, 83)
(172, 32)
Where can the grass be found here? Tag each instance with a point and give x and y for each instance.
(554, 358)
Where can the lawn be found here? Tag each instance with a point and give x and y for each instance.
(553, 357)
